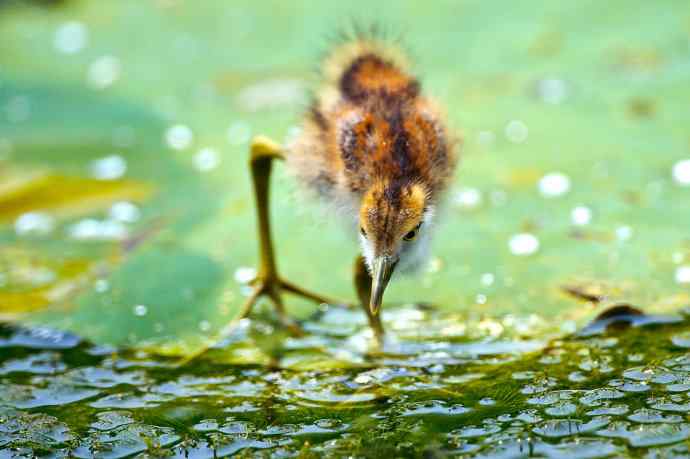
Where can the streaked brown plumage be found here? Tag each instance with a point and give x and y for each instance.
(380, 150)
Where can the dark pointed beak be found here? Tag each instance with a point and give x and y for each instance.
(382, 270)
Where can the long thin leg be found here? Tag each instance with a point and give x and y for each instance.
(268, 282)
(362, 281)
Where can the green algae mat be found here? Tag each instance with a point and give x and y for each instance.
(127, 236)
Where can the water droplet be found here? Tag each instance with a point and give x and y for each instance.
(467, 198)
(554, 184)
(103, 230)
(683, 274)
(486, 138)
(34, 223)
(140, 310)
(108, 168)
(104, 72)
(516, 131)
(523, 244)
(487, 279)
(480, 299)
(581, 215)
(101, 286)
(623, 233)
(124, 211)
(204, 325)
(206, 159)
(179, 137)
(239, 133)
(498, 197)
(681, 172)
(552, 90)
(70, 37)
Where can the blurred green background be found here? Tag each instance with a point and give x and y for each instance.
(125, 206)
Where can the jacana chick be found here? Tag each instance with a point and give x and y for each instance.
(377, 148)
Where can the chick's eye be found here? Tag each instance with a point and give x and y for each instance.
(362, 232)
(411, 235)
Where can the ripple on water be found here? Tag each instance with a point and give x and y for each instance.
(109, 420)
(608, 408)
(319, 427)
(220, 446)
(55, 393)
(434, 407)
(105, 377)
(125, 441)
(40, 338)
(549, 398)
(237, 427)
(129, 400)
(646, 415)
(581, 448)
(555, 428)
(40, 363)
(193, 386)
(326, 396)
(560, 409)
(681, 339)
(630, 386)
(475, 431)
(595, 397)
(640, 435)
(682, 384)
(383, 375)
(669, 403)
(651, 373)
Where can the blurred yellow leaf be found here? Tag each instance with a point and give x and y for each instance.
(26, 190)
(34, 282)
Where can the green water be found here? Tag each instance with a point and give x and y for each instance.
(126, 220)
(449, 392)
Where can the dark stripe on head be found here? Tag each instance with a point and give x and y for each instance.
(370, 75)
(401, 153)
(349, 146)
(349, 86)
